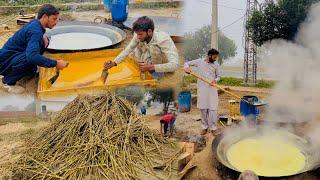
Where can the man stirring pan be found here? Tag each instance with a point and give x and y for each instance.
(207, 95)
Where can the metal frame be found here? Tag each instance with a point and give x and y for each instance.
(115, 34)
(250, 59)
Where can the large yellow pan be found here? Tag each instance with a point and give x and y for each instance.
(223, 142)
(82, 76)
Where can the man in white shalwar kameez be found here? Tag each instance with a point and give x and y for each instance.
(207, 95)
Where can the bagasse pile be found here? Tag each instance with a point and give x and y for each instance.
(95, 137)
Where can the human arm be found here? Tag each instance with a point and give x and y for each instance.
(131, 46)
(217, 76)
(169, 49)
(33, 52)
(187, 65)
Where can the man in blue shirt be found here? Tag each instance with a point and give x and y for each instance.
(22, 53)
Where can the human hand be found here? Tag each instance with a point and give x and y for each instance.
(109, 64)
(46, 41)
(213, 82)
(187, 70)
(146, 67)
(61, 64)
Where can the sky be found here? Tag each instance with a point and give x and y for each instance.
(15, 100)
(197, 13)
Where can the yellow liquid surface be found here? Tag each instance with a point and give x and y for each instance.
(266, 156)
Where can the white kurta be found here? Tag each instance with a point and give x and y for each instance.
(207, 96)
(160, 51)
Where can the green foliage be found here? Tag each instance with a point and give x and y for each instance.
(31, 107)
(231, 81)
(265, 84)
(133, 94)
(34, 2)
(198, 43)
(165, 96)
(278, 20)
(227, 47)
(189, 79)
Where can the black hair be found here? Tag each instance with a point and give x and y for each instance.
(47, 9)
(143, 23)
(213, 52)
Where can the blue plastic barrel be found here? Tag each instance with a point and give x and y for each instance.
(184, 101)
(248, 110)
(119, 10)
(107, 4)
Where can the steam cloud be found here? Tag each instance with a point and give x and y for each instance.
(296, 66)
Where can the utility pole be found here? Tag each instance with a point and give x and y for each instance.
(214, 28)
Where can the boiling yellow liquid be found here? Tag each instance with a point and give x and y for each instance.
(266, 156)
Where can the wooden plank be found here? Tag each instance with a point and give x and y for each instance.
(183, 160)
(189, 148)
(186, 169)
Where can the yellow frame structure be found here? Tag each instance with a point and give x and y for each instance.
(82, 76)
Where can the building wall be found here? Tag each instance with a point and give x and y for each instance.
(51, 106)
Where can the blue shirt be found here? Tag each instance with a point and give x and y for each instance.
(25, 48)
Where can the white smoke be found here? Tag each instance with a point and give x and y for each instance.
(296, 66)
(296, 97)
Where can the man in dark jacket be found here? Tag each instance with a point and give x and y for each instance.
(22, 53)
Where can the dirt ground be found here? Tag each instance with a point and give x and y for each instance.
(90, 15)
(31, 84)
(208, 168)
(188, 125)
(14, 132)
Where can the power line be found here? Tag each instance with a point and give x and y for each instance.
(222, 5)
(224, 27)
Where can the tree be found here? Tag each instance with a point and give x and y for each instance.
(278, 20)
(31, 107)
(198, 43)
(164, 96)
(133, 94)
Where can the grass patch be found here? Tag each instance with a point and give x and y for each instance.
(32, 6)
(188, 79)
(4, 121)
(35, 2)
(265, 84)
(231, 81)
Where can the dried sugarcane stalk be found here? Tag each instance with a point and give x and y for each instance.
(95, 137)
